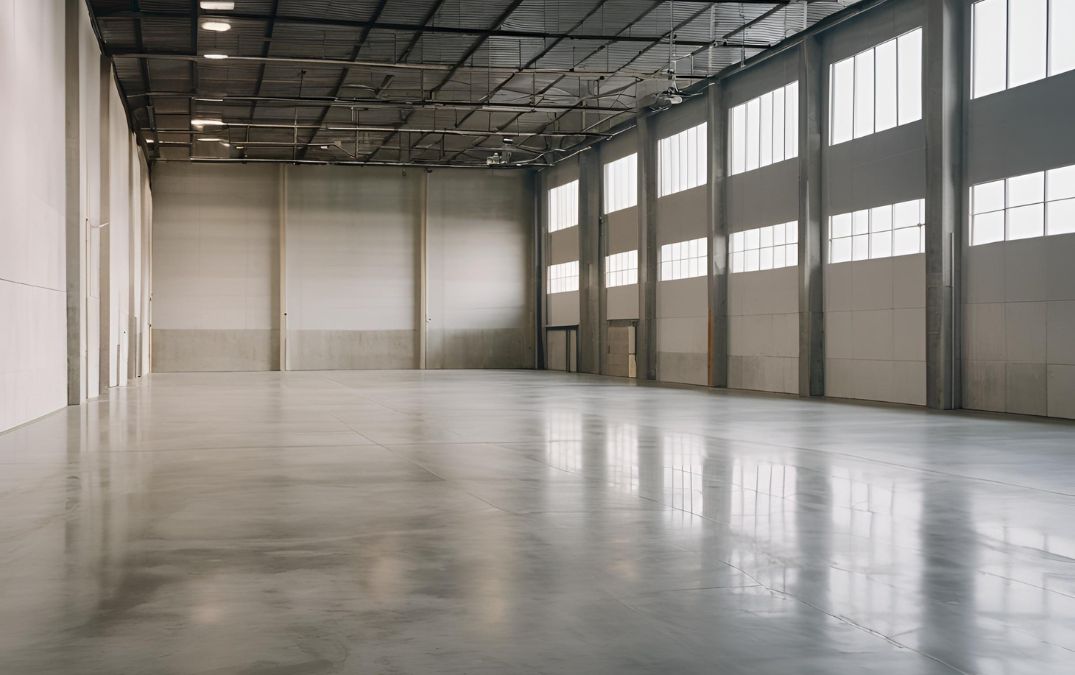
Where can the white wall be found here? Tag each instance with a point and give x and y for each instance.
(683, 304)
(351, 241)
(1019, 311)
(875, 333)
(763, 330)
(33, 329)
(478, 252)
(215, 267)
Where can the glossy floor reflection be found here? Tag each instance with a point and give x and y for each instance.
(521, 522)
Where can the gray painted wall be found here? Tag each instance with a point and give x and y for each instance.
(353, 268)
(1019, 296)
(479, 309)
(351, 250)
(215, 267)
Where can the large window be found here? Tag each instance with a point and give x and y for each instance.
(881, 232)
(765, 130)
(564, 277)
(621, 183)
(1020, 41)
(621, 269)
(877, 89)
(1033, 205)
(684, 260)
(564, 206)
(765, 248)
(682, 160)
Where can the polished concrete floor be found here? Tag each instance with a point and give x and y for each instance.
(521, 522)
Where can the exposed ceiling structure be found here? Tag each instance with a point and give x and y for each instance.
(426, 82)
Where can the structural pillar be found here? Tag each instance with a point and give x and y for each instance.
(944, 91)
(538, 269)
(75, 231)
(811, 230)
(646, 335)
(718, 240)
(590, 261)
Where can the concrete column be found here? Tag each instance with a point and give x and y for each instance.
(646, 335)
(589, 261)
(539, 268)
(421, 268)
(281, 289)
(944, 91)
(718, 240)
(811, 230)
(107, 358)
(75, 226)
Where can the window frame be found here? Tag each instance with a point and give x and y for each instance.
(676, 172)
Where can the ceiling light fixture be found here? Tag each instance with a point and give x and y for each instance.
(206, 122)
(216, 26)
(216, 57)
(212, 5)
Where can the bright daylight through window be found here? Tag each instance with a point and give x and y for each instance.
(877, 89)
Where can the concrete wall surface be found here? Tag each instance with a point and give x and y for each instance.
(479, 312)
(33, 333)
(215, 267)
(358, 273)
(763, 327)
(875, 329)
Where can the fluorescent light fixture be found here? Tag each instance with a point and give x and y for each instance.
(150, 140)
(225, 144)
(211, 140)
(216, 26)
(217, 6)
(216, 57)
(206, 122)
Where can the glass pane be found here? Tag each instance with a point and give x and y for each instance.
(906, 241)
(737, 262)
(779, 235)
(861, 222)
(1062, 216)
(886, 85)
(840, 250)
(988, 197)
(840, 226)
(910, 76)
(864, 94)
(1028, 189)
(778, 257)
(860, 247)
(905, 214)
(737, 241)
(778, 125)
(766, 157)
(752, 239)
(842, 103)
(990, 26)
(792, 232)
(739, 138)
(753, 133)
(1061, 183)
(1061, 44)
(791, 120)
(765, 261)
(881, 219)
(765, 236)
(692, 158)
(1026, 41)
(880, 244)
(791, 254)
(703, 161)
(1026, 221)
(750, 261)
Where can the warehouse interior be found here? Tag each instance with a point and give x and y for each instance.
(537, 336)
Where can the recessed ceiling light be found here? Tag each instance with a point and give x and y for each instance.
(213, 5)
(216, 26)
(216, 57)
